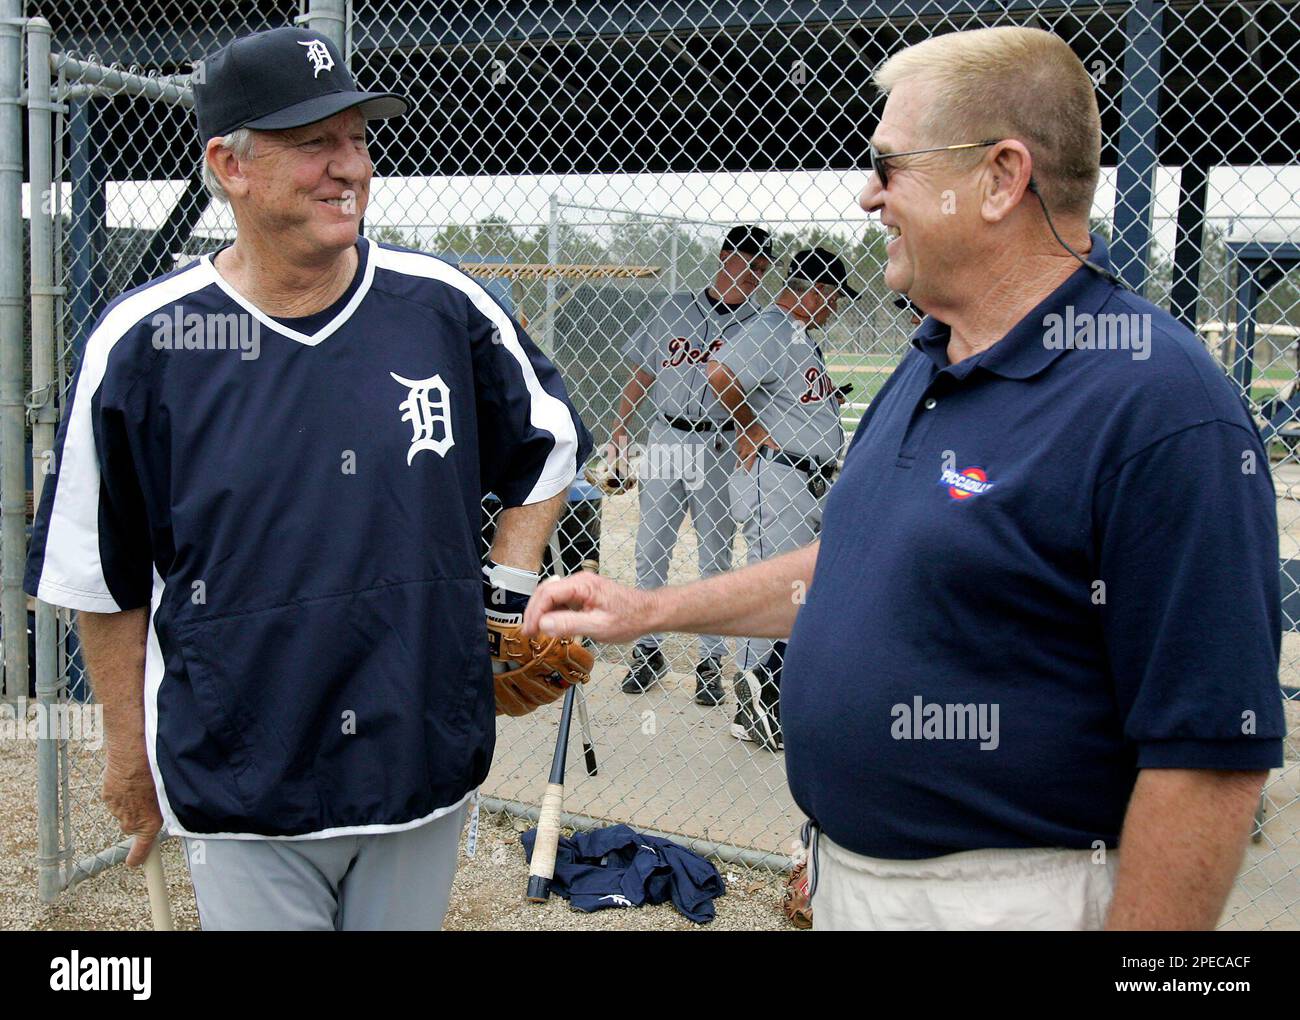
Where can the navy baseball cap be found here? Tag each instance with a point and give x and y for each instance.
(277, 79)
(817, 265)
(749, 240)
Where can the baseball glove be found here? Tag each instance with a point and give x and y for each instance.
(602, 474)
(797, 904)
(537, 670)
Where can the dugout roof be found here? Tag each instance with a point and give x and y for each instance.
(685, 86)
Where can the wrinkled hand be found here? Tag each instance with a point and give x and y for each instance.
(132, 799)
(588, 604)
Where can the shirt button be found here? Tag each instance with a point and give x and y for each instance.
(930, 404)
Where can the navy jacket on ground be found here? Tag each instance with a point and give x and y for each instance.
(619, 867)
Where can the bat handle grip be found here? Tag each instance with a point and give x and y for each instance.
(160, 904)
(542, 869)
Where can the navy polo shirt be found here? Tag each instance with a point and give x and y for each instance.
(1042, 569)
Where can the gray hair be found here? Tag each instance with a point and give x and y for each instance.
(798, 285)
(240, 142)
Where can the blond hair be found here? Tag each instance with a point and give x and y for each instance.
(1011, 82)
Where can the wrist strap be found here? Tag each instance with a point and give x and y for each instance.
(512, 579)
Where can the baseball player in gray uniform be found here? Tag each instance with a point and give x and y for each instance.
(772, 380)
(689, 452)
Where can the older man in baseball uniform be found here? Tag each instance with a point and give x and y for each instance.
(274, 546)
(1033, 683)
(689, 451)
(773, 381)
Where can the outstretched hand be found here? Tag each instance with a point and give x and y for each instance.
(586, 604)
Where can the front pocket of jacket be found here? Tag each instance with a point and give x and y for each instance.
(340, 710)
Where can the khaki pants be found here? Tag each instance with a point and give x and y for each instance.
(979, 890)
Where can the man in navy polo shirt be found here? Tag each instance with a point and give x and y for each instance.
(1034, 684)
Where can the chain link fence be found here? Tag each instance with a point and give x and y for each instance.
(586, 160)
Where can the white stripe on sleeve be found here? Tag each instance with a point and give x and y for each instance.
(72, 573)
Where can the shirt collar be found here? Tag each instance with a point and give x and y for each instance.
(1023, 352)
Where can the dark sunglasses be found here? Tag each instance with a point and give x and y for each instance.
(879, 159)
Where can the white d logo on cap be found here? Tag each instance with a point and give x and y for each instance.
(319, 56)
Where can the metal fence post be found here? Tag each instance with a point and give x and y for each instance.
(88, 236)
(40, 136)
(13, 484)
(552, 258)
(1138, 138)
(329, 18)
(69, 771)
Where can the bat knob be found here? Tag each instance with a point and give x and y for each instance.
(539, 889)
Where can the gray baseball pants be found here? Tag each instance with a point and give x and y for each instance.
(684, 471)
(777, 512)
(390, 881)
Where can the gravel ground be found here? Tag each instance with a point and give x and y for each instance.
(113, 901)
(487, 894)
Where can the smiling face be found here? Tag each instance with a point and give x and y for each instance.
(306, 188)
(930, 207)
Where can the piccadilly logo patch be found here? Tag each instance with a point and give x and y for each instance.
(966, 483)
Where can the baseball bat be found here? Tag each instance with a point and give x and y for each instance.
(584, 718)
(160, 904)
(542, 867)
(588, 745)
